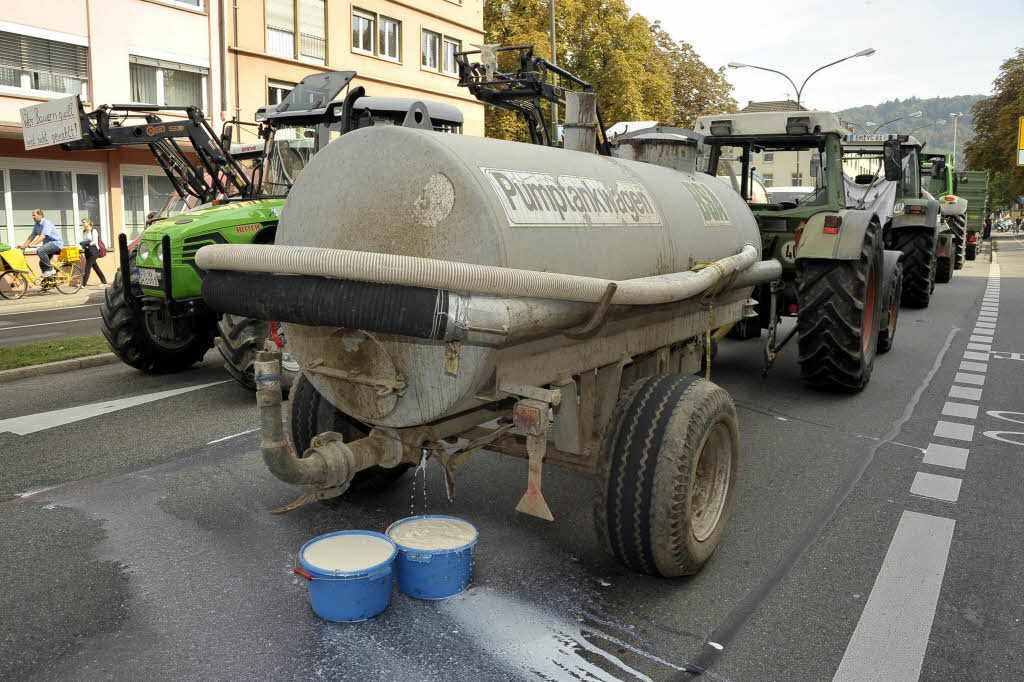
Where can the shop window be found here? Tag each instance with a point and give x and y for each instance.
(50, 66)
(155, 81)
(45, 189)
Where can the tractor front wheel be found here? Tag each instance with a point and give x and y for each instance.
(239, 339)
(887, 334)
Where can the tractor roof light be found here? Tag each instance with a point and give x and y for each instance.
(721, 128)
(798, 125)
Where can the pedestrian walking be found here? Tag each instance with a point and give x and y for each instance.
(90, 243)
(44, 231)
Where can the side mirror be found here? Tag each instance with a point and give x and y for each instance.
(225, 136)
(891, 160)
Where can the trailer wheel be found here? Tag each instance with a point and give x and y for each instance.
(667, 474)
(918, 247)
(239, 339)
(887, 334)
(130, 337)
(959, 224)
(943, 270)
(311, 415)
(838, 319)
(972, 252)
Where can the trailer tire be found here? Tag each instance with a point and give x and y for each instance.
(123, 323)
(959, 224)
(918, 247)
(838, 317)
(972, 252)
(238, 340)
(311, 415)
(943, 270)
(667, 474)
(887, 334)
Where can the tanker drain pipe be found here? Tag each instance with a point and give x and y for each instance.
(429, 273)
(330, 463)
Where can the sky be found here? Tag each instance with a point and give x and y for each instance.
(797, 37)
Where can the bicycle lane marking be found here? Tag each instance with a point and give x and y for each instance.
(41, 421)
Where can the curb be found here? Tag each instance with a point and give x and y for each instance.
(57, 367)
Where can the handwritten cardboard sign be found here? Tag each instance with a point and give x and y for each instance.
(49, 123)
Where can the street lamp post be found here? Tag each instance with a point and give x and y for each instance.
(799, 91)
(956, 120)
(927, 125)
(916, 114)
(554, 107)
(866, 130)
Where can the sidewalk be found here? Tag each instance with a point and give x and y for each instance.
(36, 299)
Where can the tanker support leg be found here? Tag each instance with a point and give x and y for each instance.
(532, 417)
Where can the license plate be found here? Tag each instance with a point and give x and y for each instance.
(149, 277)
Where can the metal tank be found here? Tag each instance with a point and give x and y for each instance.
(487, 202)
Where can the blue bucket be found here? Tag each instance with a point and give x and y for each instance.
(433, 573)
(341, 595)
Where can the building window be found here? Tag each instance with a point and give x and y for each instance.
(198, 4)
(154, 81)
(390, 39)
(362, 32)
(769, 157)
(49, 66)
(767, 179)
(451, 46)
(66, 196)
(277, 91)
(797, 180)
(143, 193)
(311, 28)
(431, 50)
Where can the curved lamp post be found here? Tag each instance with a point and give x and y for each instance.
(956, 120)
(927, 125)
(799, 91)
(916, 114)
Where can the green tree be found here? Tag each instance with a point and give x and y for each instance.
(994, 146)
(637, 69)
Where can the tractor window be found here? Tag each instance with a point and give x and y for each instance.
(288, 152)
(911, 182)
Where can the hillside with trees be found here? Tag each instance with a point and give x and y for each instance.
(937, 138)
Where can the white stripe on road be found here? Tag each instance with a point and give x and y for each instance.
(892, 634)
(42, 421)
(984, 331)
(31, 312)
(952, 409)
(973, 355)
(234, 435)
(982, 339)
(974, 366)
(964, 378)
(937, 487)
(954, 430)
(985, 325)
(946, 456)
(986, 347)
(43, 324)
(965, 392)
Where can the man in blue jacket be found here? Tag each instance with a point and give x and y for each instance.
(44, 231)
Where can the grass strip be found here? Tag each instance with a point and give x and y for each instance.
(27, 354)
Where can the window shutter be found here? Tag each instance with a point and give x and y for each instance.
(312, 29)
(28, 53)
(164, 64)
(281, 15)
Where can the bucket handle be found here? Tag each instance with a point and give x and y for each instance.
(299, 571)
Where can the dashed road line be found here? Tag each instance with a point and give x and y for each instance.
(974, 366)
(974, 355)
(941, 455)
(965, 378)
(945, 488)
(954, 409)
(954, 430)
(965, 392)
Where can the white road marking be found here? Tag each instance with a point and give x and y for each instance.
(946, 456)
(974, 366)
(1001, 414)
(30, 312)
(973, 355)
(985, 347)
(945, 488)
(985, 325)
(954, 430)
(986, 318)
(984, 331)
(964, 378)
(965, 392)
(42, 421)
(980, 338)
(234, 435)
(892, 634)
(43, 324)
(952, 409)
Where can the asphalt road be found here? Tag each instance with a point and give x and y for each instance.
(870, 539)
(44, 325)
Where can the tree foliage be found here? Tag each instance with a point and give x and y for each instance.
(637, 69)
(994, 146)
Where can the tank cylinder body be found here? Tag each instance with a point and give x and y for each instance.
(412, 192)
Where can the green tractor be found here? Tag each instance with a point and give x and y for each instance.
(838, 280)
(939, 179)
(154, 314)
(973, 186)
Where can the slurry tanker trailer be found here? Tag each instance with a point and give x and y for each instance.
(454, 293)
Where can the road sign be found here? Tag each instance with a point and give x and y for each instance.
(50, 123)
(1020, 141)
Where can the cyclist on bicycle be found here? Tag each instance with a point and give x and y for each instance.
(44, 231)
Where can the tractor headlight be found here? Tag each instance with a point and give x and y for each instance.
(143, 251)
(160, 252)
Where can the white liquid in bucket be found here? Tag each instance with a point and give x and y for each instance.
(432, 533)
(347, 552)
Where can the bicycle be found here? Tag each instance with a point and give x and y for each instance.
(17, 274)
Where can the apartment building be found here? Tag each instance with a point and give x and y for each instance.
(226, 56)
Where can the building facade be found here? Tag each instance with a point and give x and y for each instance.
(227, 57)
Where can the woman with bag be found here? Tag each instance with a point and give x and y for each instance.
(90, 243)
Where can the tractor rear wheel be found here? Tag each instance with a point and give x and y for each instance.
(312, 414)
(918, 247)
(239, 339)
(972, 252)
(887, 334)
(943, 270)
(667, 474)
(131, 337)
(838, 317)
